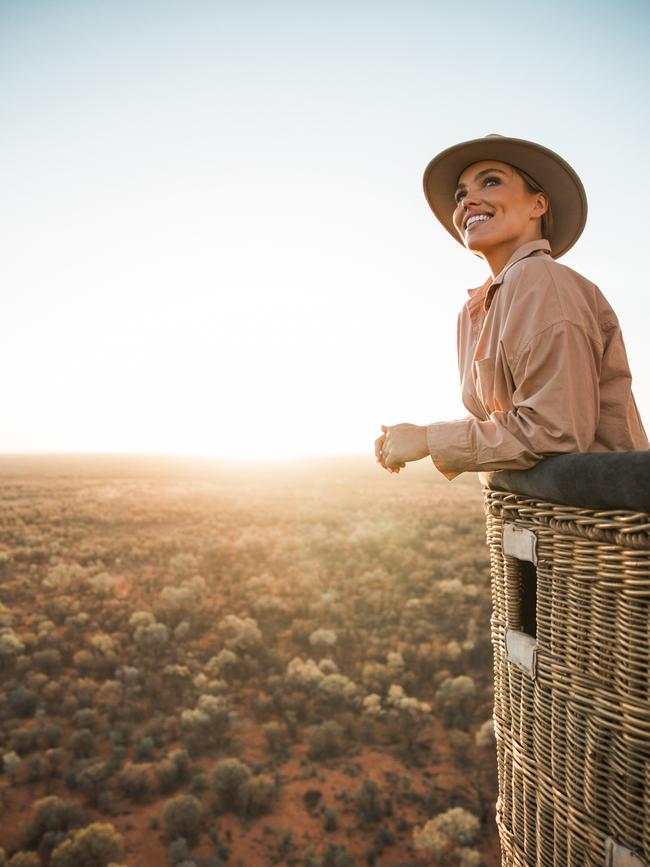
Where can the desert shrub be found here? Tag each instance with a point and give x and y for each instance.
(51, 735)
(136, 781)
(181, 817)
(86, 718)
(367, 799)
(47, 661)
(485, 737)
(311, 799)
(256, 795)
(460, 743)
(168, 778)
(183, 565)
(23, 701)
(330, 819)
(98, 845)
(242, 635)
(469, 858)
(226, 662)
(325, 741)
(338, 856)
(151, 639)
(144, 750)
(182, 761)
(85, 691)
(84, 661)
(455, 700)
(11, 646)
(52, 693)
(11, 762)
(208, 723)
(52, 814)
(278, 739)
(24, 859)
(383, 838)
(199, 783)
(38, 768)
(227, 779)
(23, 740)
(323, 639)
(336, 691)
(446, 835)
(406, 716)
(178, 851)
(55, 757)
(82, 744)
(90, 779)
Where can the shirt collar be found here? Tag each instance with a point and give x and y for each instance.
(529, 249)
(482, 296)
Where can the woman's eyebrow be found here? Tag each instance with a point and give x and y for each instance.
(480, 174)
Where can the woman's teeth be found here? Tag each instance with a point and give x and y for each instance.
(480, 218)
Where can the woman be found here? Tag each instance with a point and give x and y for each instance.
(542, 363)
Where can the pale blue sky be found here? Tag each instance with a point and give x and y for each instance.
(215, 235)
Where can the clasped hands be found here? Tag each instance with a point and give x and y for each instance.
(399, 444)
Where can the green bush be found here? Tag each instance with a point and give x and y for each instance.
(228, 777)
(52, 814)
(181, 817)
(98, 845)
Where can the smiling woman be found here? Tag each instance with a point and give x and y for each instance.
(542, 361)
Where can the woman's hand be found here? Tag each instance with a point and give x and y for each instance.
(399, 444)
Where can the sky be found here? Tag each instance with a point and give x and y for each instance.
(215, 240)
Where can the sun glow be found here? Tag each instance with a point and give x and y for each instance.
(215, 241)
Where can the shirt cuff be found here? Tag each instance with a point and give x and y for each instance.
(448, 443)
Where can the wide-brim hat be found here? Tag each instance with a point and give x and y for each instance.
(553, 174)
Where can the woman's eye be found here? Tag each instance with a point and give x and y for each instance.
(491, 180)
(459, 197)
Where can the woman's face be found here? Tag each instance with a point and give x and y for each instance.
(495, 213)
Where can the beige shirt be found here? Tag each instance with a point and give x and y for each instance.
(543, 371)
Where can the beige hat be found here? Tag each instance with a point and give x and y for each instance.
(553, 174)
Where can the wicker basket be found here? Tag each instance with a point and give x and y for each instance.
(571, 638)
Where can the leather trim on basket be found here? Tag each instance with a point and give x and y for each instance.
(619, 856)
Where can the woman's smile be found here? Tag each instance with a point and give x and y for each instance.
(475, 220)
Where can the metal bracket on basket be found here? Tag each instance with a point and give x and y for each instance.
(617, 855)
(520, 543)
(521, 650)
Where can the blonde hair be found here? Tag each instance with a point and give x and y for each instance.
(533, 187)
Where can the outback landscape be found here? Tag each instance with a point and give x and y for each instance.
(206, 664)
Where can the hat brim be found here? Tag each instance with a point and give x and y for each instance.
(553, 174)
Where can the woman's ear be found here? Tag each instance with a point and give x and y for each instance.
(540, 206)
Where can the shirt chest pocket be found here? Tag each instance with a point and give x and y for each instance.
(494, 383)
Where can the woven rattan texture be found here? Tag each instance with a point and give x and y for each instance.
(573, 743)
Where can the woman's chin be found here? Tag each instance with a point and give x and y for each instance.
(475, 245)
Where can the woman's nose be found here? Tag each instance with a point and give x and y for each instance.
(470, 198)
